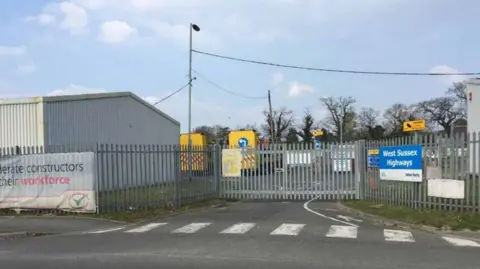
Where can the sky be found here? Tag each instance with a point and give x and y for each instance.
(142, 46)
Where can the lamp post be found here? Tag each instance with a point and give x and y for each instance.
(193, 27)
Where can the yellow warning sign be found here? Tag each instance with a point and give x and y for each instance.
(372, 152)
(231, 162)
(317, 133)
(414, 125)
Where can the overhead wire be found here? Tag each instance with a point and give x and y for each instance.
(225, 90)
(334, 70)
(172, 94)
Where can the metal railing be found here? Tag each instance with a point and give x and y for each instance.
(136, 177)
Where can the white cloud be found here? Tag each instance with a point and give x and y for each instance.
(76, 18)
(42, 19)
(448, 80)
(277, 78)
(116, 31)
(27, 68)
(297, 89)
(12, 51)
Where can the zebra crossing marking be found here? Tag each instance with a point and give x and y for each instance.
(288, 229)
(459, 242)
(239, 228)
(146, 228)
(107, 230)
(192, 227)
(341, 231)
(398, 235)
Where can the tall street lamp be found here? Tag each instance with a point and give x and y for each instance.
(193, 27)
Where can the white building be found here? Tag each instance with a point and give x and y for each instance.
(113, 118)
(473, 125)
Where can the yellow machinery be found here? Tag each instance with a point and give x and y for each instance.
(246, 140)
(199, 152)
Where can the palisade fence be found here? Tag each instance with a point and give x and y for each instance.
(136, 177)
(454, 158)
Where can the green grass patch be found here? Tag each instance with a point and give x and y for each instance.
(448, 220)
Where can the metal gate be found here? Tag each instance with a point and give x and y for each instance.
(297, 172)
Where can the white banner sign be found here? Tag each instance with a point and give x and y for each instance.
(63, 181)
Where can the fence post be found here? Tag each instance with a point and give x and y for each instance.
(360, 169)
(177, 167)
(217, 157)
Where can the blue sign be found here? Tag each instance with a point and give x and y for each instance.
(373, 159)
(242, 142)
(318, 144)
(401, 163)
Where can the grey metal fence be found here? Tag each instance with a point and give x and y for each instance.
(132, 177)
(135, 177)
(294, 172)
(454, 158)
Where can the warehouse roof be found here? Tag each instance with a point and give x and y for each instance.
(79, 97)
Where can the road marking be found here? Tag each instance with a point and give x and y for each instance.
(461, 242)
(146, 228)
(342, 231)
(288, 229)
(239, 228)
(107, 230)
(349, 219)
(305, 206)
(398, 235)
(192, 228)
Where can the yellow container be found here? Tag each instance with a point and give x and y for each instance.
(246, 140)
(199, 152)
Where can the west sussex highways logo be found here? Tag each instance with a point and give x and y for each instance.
(78, 200)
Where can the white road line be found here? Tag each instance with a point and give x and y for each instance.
(459, 242)
(239, 228)
(305, 206)
(342, 231)
(106, 231)
(398, 235)
(288, 229)
(192, 228)
(146, 228)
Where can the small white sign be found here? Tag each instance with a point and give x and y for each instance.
(446, 188)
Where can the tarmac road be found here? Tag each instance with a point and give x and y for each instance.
(279, 235)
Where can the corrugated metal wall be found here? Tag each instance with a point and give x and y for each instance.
(121, 120)
(21, 123)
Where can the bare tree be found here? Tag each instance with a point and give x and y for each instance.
(396, 115)
(367, 118)
(282, 120)
(442, 111)
(341, 115)
(306, 127)
(368, 124)
(459, 92)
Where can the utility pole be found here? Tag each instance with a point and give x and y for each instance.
(197, 29)
(341, 131)
(270, 118)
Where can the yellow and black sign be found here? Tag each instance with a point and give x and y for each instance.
(317, 133)
(373, 152)
(414, 125)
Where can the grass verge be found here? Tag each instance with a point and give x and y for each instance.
(147, 214)
(446, 220)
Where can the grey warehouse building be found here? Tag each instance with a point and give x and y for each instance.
(84, 120)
